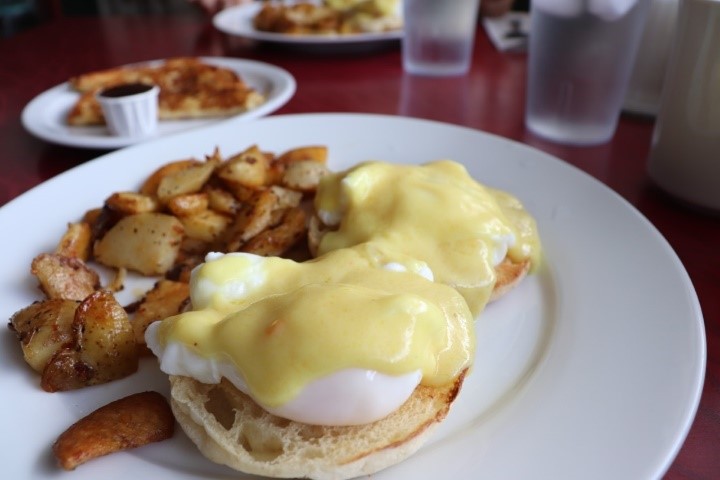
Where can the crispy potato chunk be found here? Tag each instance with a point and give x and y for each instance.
(102, 347)
(130, 203)
(43, 328)
(304, 175)
(147, 243)
(151, 184)
(165, 299)
(249, 168)
(315, 153)
(64, 277)
(279, 239)
(222, 201)
(252, 220)
(188, 204)
(76, 242)
(206, 226)
(187, 180)
(129, 422)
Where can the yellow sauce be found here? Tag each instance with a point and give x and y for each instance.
(434, 213)
(308, 320)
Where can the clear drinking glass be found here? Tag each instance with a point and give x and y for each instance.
(581, 54)
(439, 36)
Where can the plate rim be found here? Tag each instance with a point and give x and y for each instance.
(32, 114)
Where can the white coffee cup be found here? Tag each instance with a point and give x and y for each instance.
(685, 155)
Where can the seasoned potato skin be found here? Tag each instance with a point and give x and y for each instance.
(129, 422)
(101, 349)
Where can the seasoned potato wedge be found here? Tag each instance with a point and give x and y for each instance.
(147, 243)
(186, 180)
(222, 201)
(64, 277)
(281, 238)
(286, 197)
(252, 220)
(126, 423)
(76, 242)
(165, 299)
(102, 347)
(249, 169)
(150, 186)
(206, 225)
(188, 204)
(130, 203)
(303, 175)
(43, 328)
(315, 153)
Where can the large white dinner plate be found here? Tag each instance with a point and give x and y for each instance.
(592, 368)
(45, 115)
(239, 21)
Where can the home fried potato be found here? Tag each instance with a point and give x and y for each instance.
(146, 242)
(303, 175)
(151, 184)
(165, 299)
(315, 153)
(185, 180)
(130, 203)
(43, 328)
(278, 239)
(250, 168)
(188, 204)
(129, 422)
(76, 241)
(206, 226)
(101, 349)
(64, 277)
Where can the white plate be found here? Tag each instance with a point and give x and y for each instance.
(591, 369)
(239, 21)
(45, 115)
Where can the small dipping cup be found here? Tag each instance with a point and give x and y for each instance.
(131, 109)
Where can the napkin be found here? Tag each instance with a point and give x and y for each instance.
(509, 32)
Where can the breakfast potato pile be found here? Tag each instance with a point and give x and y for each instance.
(253, 201)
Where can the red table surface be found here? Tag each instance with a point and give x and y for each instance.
(490, 98)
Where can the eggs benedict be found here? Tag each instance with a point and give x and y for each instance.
(370, 355)
(341, 365)
(476, 239)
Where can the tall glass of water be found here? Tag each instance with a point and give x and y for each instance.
(581, 54)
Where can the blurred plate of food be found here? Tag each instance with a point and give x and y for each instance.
(194, 92)
(315, 22)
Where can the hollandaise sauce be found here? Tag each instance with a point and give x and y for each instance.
(436, 214)
(284, 324)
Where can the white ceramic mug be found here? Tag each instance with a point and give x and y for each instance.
(685, 154)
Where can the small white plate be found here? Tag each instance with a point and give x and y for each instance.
(239, 21)
(591, 369)
(45, 115)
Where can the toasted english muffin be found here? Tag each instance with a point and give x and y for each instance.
(230, 428)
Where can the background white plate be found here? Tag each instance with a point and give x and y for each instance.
(591, 369)
(239, 21)
(45, 115)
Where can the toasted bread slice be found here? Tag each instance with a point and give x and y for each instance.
(229, 428)
(189, 88)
